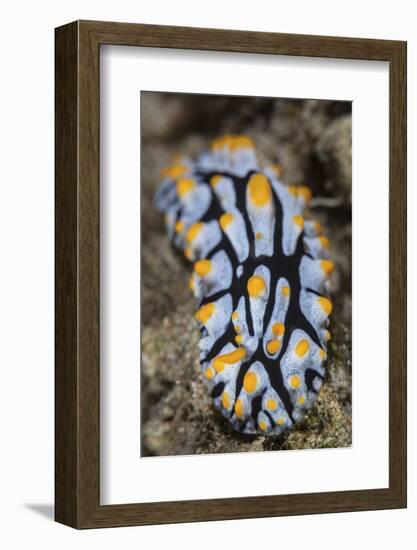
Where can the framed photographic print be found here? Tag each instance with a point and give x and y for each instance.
(230, 274)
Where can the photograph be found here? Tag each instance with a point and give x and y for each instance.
(246, 292)
(208, 280)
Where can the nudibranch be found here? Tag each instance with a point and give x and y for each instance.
(261, 276)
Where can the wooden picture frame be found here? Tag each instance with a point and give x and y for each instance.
(77, 382)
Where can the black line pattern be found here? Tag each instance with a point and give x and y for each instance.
(261, 277)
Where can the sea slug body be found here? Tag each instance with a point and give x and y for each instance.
(261, 275)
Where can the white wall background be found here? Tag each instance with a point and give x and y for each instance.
(26, 273)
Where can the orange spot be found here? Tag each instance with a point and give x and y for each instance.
(202, 267)
(188, 253)
(295, 381)
(301, 400)
(175, 171)
(325, 304)
(193, 231)
(285, 291)
(271, 404)
(228, 359)
(225, 220)
(235, 316)
(191, 283)
(259, 190)
(205, 312)
(209, 373)
(273, 346)
(241, 142)
(184, 186)
(256, 286)
(219, 365)
(293, 190)
(327, 266)
(300, 191)
(228, 141)
(299, 220)
(226, 400)
(302, 347)
(239, 408)
(324, 241)
(278, 329)
(179, 227)
(250, 381)
(263, 425)
(214, 180)
(221, 142)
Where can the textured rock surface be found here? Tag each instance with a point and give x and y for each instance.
(311, 140)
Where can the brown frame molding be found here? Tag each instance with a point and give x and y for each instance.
(77, 274)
